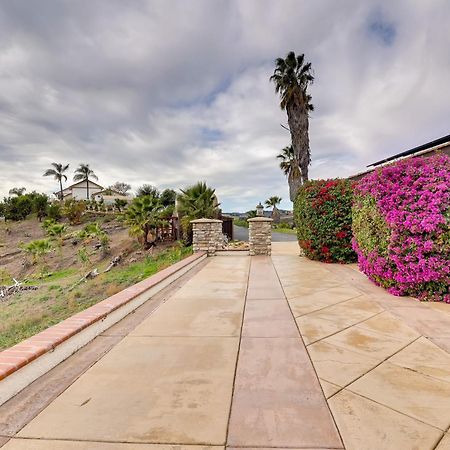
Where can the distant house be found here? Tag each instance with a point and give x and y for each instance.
(78, 191)
(441, 145)
(109, 196)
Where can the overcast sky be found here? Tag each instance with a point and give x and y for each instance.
(172, 92)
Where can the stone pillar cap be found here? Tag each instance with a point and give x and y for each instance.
(204, 220)
(260, 219)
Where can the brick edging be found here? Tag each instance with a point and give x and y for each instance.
(21, 354)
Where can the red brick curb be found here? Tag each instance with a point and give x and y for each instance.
(26, 351)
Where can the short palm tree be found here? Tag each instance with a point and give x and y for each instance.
(83, 173)
(292, 76)
(143, 215)
(196, 202)
(272, 202)
(289, 167)
(38, 249)
(58, 174)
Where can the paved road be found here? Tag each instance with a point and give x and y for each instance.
(241, 234)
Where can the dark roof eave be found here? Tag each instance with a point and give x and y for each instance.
(434, 143)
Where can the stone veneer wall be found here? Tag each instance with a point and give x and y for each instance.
(207, 235)
(260, 235)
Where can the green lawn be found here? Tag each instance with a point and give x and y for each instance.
(285, 230)
(240, 223)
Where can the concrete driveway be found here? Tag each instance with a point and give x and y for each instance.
(261, 352)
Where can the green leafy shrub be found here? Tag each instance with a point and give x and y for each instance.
(120, 203)
(323, 217)
(40, 205)
(17, 208)
(54, 211)
(73, 210)
(94, 230)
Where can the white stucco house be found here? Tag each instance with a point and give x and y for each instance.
(109, 196)
(79, 191)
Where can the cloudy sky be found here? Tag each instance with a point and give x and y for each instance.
(171, 92)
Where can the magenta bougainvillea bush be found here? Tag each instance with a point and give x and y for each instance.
(401, 216)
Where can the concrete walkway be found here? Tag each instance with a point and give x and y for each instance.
(222, 364)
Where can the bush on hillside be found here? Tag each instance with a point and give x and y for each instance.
(54, 211)
(17, 208)
(401, 218)
(73, 210)
(322, 214)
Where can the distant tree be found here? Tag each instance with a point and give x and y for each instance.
(40, 205)
(17, 208)
(58, 174)
(251, 214)
(120, 203)
(168, 197)
(18, 191)
(147, 189)
(292, 76)
(82, 173)
(273, 202)
(121, 187)
(196, 202)
(143, 215)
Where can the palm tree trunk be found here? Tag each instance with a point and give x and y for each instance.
(295, 181)
(298, 124)
(60, 190)
(87, 188)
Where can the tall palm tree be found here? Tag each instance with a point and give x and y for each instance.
(292, 76)
(58, 174)
(290, 168)
(272, 202)
(83, 173)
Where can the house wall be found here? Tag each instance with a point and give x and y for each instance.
(110, 199)
(79, 191)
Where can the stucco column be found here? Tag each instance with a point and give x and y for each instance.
(260, 235)
(207, 235)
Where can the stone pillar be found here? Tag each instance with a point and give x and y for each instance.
(207, 235)
(260, 235)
